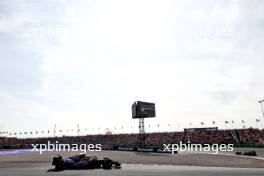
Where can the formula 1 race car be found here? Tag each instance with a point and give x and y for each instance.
(83, 162)
(248, 153)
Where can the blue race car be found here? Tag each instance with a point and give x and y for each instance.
(83, 162)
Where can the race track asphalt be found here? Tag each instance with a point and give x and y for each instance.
(41, 169)
(25, 163)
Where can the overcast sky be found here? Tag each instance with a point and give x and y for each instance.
(86, 62)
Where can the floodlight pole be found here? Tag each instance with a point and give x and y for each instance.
(54, 132)
(261, 104)
(262, 109)
(78, 129)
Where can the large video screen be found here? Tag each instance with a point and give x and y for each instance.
(142, 109)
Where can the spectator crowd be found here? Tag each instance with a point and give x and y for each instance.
(238, 136)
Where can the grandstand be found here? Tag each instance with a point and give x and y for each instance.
(3, 140)
(238, 137)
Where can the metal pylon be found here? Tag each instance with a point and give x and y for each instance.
(141, 132)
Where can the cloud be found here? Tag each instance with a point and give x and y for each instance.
(86, 62)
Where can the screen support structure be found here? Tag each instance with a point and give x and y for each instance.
(141, 127)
